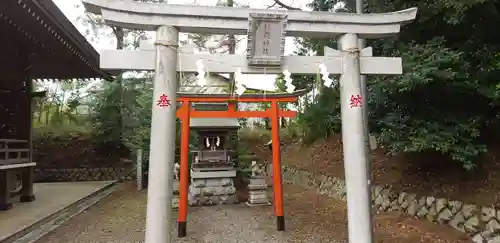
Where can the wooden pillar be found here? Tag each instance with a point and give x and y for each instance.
(184, 170)
(277, 180)
(4, 190)
(27, 177)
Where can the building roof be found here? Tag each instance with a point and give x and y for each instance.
(39, 30)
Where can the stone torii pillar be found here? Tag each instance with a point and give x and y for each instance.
(163, 130)
(266, 56)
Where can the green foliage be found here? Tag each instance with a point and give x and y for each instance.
(322, 118)
(256, 134)
(65, 130)
(431, 107)
(447, 98)
(122, 114)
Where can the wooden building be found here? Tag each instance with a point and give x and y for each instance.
(38, 42)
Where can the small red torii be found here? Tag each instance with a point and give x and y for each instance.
(185, 112)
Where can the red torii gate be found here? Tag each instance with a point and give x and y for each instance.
(186, 111)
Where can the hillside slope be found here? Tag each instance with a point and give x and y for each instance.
(429, 175)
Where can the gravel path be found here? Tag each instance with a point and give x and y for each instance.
(237, 223)
(309, 218)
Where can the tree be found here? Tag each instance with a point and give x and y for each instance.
(447, 99)
(113, 103)
(61, 101)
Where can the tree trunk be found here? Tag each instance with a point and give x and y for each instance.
(120, 44)
(231, 47)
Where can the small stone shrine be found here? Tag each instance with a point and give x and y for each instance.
(257, 188)
(212, 170)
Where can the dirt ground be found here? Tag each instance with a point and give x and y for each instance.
(309, 218)
(424, 175)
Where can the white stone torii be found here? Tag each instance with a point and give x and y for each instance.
(168, 20)
(224, 20)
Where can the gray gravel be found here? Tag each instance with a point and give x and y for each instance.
(309, 218)
(121, 218)
(237, 224)
(231, 224)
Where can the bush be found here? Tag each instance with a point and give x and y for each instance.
(66, 131)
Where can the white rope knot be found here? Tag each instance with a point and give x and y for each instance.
(159, 43)
(353, 50)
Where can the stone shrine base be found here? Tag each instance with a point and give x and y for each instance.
(207, 190)
(257, 192)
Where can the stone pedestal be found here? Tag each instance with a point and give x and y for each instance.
(257, 192)
(212, 188)
(175, 195)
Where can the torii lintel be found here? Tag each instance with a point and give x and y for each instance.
(219, 20)
(231, 99)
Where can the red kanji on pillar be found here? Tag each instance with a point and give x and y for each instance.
(163, 101)
(356, 101)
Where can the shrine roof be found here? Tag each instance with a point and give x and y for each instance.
(57, 50)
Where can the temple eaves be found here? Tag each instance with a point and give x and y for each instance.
(56, 49)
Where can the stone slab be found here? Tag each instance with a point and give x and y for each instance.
(255, 193)
(257, 181)
(194, 168)
(212, 191)
(257, 187)
(257, 197)
(258, 204)
(213, 174)
(222, 182)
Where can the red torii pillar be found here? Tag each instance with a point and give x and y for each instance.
(186, 112)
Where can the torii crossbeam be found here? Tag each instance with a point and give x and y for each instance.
(185, 112)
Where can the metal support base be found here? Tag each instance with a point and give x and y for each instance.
(182, 229)
(280, 223)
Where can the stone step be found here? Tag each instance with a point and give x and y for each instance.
(34, 232)
(213, 174)
(257, 187)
